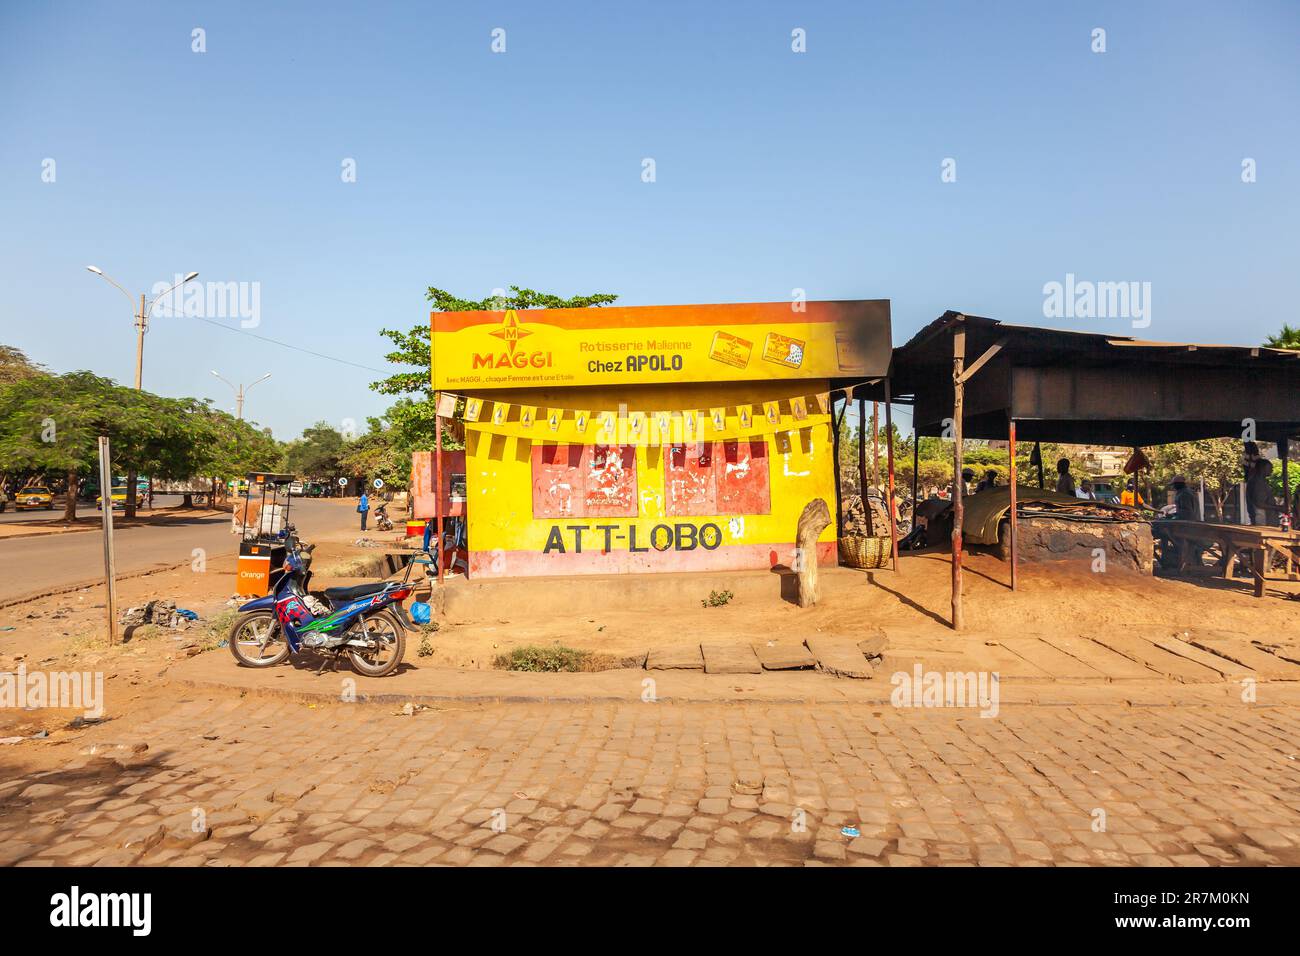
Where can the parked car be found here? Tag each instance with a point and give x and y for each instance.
(1103, 489)
(118, 497)
(30, 499)
(297, 488)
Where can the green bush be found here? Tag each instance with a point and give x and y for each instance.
(717, 599)
(543, 659)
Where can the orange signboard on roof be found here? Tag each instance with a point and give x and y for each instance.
(645, 345)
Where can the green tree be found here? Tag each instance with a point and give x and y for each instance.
(15, 366)
(411, 419)
(51, 423)
(1216, 460)
(376, 455)
(1288, 338)
(318, 454)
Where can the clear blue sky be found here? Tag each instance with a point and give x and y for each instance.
(775, 170)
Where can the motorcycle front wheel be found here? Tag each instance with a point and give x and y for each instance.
(257, 641)
(387, 639)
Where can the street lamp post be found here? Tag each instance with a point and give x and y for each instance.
(141, 326)
(240, 391)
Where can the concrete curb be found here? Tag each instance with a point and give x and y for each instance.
(875, 693)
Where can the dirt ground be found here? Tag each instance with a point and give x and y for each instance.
(67, 632)
(911, 607)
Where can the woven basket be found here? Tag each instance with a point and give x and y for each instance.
(858, 551)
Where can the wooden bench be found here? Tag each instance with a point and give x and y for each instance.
(1258, 542)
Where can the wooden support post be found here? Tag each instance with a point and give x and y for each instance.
(875, 444)
(836, 421)
(110, 571)
(916, 467)
(1284, 452)
(1038, 453)
(1011, 527)
(862, 464)
(958, 510)
(438, 549)
(889, 446)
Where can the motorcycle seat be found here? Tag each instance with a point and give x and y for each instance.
(343, 595)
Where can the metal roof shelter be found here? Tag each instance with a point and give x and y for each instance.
(1085, 388)
(1090, 388)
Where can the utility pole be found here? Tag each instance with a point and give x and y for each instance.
(240, 391)
(141, 326)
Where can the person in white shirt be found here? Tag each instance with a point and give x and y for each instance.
(1085, 490)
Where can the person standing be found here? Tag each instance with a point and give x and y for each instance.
(1130, 496)
(1064, 480)
(1185, 508)
(1260, 505)
(364, 508)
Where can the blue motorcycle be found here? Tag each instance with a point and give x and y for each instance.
(366, 623)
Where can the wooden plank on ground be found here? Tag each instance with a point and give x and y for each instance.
(1287, 650)
(840, 657)
(784, 655)
(1114, 666)
(1229, 669)
(1053, 660)
(992, 656)
(1158, 659)
(895, 661)
(1240, 650)
(730, 659)
(684, 657)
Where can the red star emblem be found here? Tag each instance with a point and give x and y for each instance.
(511, 331)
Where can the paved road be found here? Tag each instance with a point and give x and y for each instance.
(273, 782)
(84, 510)
(31, 564)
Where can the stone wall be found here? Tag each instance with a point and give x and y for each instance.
(1127, 544)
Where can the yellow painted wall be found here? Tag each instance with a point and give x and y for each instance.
(505, 539)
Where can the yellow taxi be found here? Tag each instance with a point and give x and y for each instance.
(118, 496)
(30, 499)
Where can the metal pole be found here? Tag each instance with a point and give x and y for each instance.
(958, 509)
(110, 576)
(141, 319)
(140, 323)
(239, 403)
(437, 488)
(1011, 528)
(889, 445)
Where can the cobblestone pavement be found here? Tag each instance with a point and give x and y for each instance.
(271, 781)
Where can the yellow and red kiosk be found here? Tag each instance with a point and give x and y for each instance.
(647, 438)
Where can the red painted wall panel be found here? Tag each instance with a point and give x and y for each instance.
(453, 463)
(719, 478)
(692, 489)
(584, 481)
(742, 476)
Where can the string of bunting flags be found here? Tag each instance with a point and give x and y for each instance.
(633, 427)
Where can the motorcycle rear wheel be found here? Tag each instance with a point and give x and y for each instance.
(256, 640)
(387, 631)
